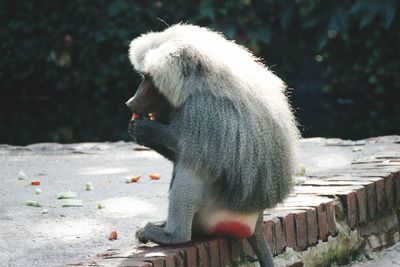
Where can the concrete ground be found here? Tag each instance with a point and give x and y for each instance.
(53, 235)
(387, 258)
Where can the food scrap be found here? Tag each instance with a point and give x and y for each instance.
(152, 116)
(72, 203)
(66, 195)
(21, 175)
(154, 176)
(35, 182)
(89, 186)
(301, 171)
(33, 203)
(38, 191)
(135, 116)
(135, 178)
(113, 235)
(45, 211)
(141, 148)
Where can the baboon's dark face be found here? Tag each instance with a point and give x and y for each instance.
(149, 100)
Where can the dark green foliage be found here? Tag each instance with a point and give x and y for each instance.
(65, 74)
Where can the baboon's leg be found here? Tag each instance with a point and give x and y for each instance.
(260, 245)
(185, 200)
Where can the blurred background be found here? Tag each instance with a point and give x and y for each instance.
(65, 73)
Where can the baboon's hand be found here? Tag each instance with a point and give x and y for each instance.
(140, 235)
(140, 130)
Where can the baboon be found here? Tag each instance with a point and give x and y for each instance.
(229, 131)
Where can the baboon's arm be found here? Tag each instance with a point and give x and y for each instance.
(159, 137)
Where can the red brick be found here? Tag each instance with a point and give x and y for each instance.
(269, 235)
(152, 254)
(156, 261)
(180, 259)
(224, 252)
(371, 200)
(337, 190)
(396, 180)
(248, 252)
(290, 232)
(334, 181)
(235, 249)
(380, 196)
(213, 246)
(362, 205)
(203, 259)
(312, 226)
(280, 240)
(300, 219)
(352, 178)
(132, 263)
(389, 191)
(175, 256)
(170, 260)
(307, 198)
(352, 209)
(322, 222)
(331, 218)
(191, 256)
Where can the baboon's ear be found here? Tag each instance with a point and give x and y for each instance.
(170, 65)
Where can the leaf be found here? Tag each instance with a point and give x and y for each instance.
(312, 21)
(229, 30)
(207, 10)
(287, 9)
(72, 203)
(66, 195)
(370, 9)
(339, 18)
(263, 35)
(33, 203)
(390, 14)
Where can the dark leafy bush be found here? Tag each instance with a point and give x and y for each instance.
(64, 71)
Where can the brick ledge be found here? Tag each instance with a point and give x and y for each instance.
(321, 206)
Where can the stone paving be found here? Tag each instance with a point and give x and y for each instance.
(344, 203)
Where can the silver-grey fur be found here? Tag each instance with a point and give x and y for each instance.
(232, 131)
(232, 112)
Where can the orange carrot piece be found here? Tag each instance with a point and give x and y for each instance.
(113, 235)
(35, 182)
(154, 176)
(135, 178)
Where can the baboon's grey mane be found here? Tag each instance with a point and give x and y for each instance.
(234, 118)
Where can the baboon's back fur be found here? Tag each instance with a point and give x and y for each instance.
(233, 117)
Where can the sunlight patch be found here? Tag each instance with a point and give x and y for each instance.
(67, 230)
(102, 170)
(125, 207)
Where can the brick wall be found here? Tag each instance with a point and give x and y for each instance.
(357, 194)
